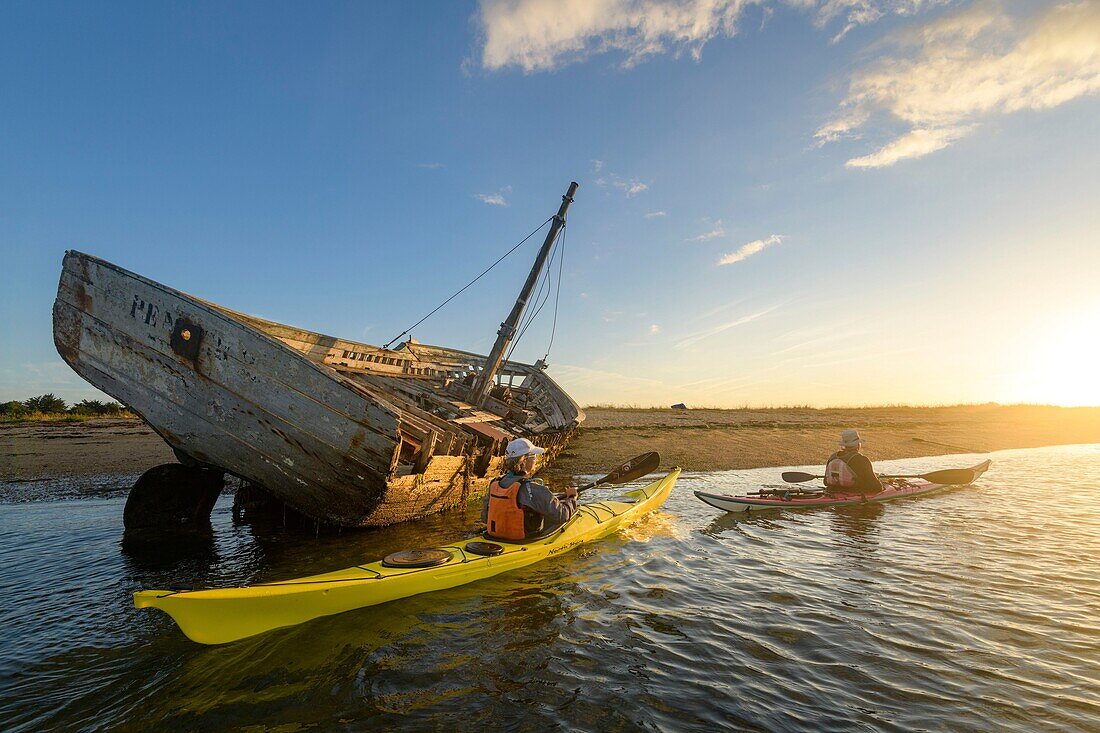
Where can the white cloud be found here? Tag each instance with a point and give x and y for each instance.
(748, 250)
(947, 76)
(539, 35)
(831, 336)
(494, 199)
(717, 231)
(654, 329)
(542, 35)
(597, 165)
(655, 214)
(913, 144)
(431, 166)
(715, 311)
(715, 330)
(861, 12)
(591, 386)
(632, 187)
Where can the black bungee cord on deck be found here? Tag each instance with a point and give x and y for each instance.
(460, 290)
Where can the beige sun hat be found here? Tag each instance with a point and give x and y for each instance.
(522, 447)
(850, 438)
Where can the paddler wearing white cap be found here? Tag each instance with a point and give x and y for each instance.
(850, 470)
(518, 507)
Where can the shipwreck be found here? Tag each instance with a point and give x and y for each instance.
(340, 431)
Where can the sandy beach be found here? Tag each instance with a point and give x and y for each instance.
(698, 440)
(713, 440)
(38, 450)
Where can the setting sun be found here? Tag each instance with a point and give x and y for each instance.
(1059, 367)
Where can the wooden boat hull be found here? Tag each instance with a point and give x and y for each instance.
(904, 488)
(339, 438)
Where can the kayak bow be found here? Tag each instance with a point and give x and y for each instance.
(803, 499)
(221, 615)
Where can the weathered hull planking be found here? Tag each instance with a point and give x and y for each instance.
(341, 431)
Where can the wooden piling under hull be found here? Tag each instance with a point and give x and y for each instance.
(346, 433)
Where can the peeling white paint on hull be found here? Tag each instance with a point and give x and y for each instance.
(344, 432)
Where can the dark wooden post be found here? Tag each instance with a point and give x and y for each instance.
(507, 330)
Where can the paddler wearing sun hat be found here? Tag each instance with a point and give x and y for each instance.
(518, 507)
(848, 469)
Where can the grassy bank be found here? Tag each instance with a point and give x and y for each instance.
(699, 440)
(49, 408)
(714, 439)
(61, 417)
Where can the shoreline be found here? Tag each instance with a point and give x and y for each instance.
(696, 440)
(716, 440)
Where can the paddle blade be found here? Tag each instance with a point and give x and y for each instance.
(797, 477)
(950, 476)
(632, 469)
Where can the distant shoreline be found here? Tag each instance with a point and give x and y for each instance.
(697, 440)
(714, 440)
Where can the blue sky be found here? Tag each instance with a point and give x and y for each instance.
(911, 184)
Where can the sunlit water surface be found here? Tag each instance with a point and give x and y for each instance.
(974, 609)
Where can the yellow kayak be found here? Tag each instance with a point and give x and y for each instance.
(221, 615)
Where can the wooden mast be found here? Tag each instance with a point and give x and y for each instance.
(507, 331)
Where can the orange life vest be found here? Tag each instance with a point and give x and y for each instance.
(505, 520)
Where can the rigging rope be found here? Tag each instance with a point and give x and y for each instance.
(543, 287)
(460, 290)
(533, 308)
(557, 297)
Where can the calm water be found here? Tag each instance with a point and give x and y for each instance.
(974, 609)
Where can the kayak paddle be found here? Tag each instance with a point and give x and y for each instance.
(633, 469)
(948, 477)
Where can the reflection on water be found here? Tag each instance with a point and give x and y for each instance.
(859, 523)
(174, 555)
(974, 609)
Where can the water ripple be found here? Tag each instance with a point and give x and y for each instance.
(975, 609)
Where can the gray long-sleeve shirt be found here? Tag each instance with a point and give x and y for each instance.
(543, 512)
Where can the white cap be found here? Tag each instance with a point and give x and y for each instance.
(523, 447)
(850, 438)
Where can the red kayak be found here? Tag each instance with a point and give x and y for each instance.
(797, 497)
